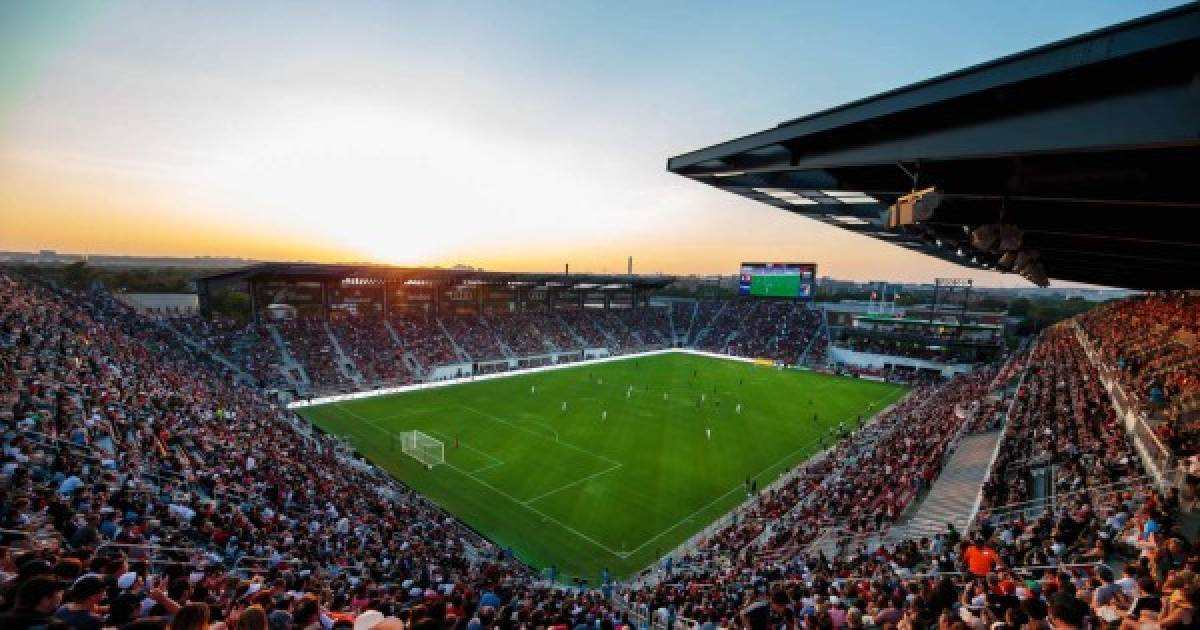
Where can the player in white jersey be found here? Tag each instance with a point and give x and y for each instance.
(739, 409)
(564, 405)
(708, 433)
(533, 389)
(604, 415)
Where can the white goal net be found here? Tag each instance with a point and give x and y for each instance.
(423, 448)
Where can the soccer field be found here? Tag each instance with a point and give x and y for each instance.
(623, 475)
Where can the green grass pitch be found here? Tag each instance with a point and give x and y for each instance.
(582, 491)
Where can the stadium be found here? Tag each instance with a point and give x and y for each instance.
(371, 445)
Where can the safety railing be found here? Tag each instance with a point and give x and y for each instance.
(1154, 452)
(37, 539)
(1051, 503)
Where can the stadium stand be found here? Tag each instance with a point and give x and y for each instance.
(1153, 343)
(128, 453)
(310, 343)
(370, 346)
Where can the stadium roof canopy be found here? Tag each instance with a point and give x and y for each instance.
(1089, 146)
(316, 272)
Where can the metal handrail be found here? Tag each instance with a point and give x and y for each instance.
(1101, 488)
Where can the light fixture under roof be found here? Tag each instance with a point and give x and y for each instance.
(827, 197)
(849, 220)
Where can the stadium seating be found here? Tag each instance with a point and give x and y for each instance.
(1154, 344)
(375, 354)
(308, 341)
(124, 450)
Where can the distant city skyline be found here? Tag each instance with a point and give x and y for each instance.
(502, 135)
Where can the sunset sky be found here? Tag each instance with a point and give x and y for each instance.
(506, 135)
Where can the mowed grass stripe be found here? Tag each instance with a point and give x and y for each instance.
(583, 492)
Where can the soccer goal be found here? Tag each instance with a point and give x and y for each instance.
(423, 448)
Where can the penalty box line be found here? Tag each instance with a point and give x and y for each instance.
(540, 513)
(496, 461)
(472, 476)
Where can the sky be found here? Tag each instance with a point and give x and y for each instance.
(503, 135)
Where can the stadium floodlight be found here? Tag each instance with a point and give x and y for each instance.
(1025, 259)
(421, 447)
(915, 207)
(985, 237)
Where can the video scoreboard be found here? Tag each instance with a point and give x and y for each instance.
(797, 281)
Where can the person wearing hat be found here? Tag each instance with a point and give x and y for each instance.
(85, 596)
(36, 601)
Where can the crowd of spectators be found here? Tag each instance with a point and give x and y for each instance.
(141, 487)
(521, 332)
(474, 336)
(1153, 344)
(370, 347)
(310, 345)
(1117, 560)
(421, 335)
(245, 344)
(584, 325)
(778, 330)
(1062, 418)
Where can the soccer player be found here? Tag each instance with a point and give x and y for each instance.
(532, 389)
(564, 406)
(664, 395)
(708, 433)
(604, 415)
(701, 397)
(739, 409)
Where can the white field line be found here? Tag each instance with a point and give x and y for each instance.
(497, 461)
(536, 511)
(590, 477)
(531, 432)
(691, 516)
(296, 404)
(615, 465)
(472, 475)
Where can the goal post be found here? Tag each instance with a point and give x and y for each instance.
(421, 447)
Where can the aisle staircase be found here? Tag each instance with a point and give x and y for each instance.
(292, 370)
(955, 494)
(953, 499)
(345, 366)
(410, 360)
(462, 354)
(574, 334)
(708, 327)
(822, 333)
(505, 350)
(239, 374)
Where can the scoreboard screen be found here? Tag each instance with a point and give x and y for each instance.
(797, 281)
